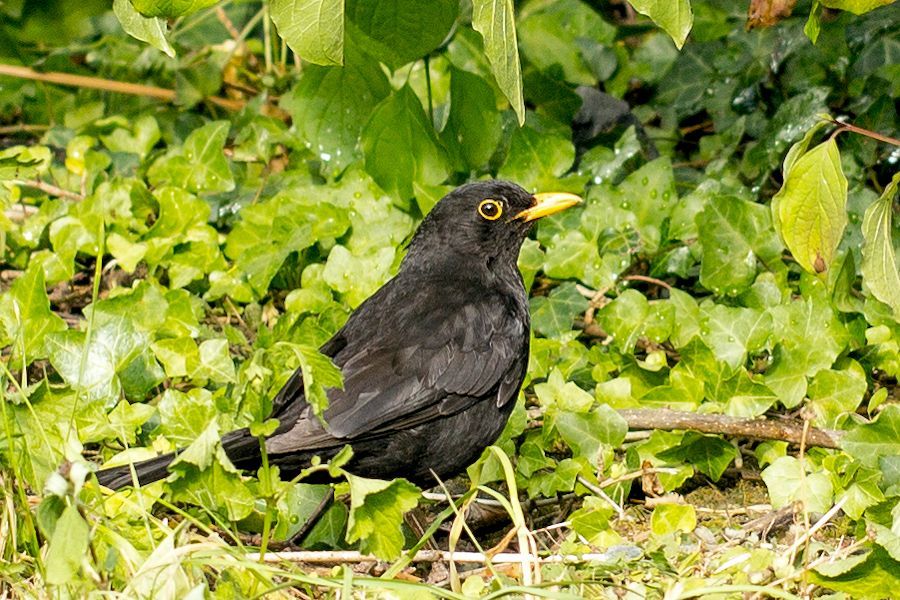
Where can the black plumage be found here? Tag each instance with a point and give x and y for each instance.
(432, 362)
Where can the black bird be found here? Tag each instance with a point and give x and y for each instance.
(432, 362)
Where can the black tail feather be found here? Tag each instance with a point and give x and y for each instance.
(147, 471)
(240, 446)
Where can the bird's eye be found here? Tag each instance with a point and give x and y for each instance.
(490, 209)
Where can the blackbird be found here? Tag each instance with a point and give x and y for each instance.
(432, 362)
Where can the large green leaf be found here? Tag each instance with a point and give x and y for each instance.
(330, 105)
(810, 208)
(495, 20)
(399, 31)
(401, 147)
(880, 270)
(872, 441)
(68, 547)
(789, 480)
(200, 165)
(314, 29)
(539, 154)
(474, 125)
(170, 8)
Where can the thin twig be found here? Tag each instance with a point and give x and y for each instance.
(647, 279)
(47, 188)
(757, 429)
(22, 128)
(866, 132)
(19, 212)
(350, 556)
(108, 85)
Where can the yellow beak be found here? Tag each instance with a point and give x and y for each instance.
(547, 204)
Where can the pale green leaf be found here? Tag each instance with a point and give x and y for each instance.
(880, 270)
(376, 514)
(147, 29)
(314, 29)
(495, 20)
(675, 16)
(669, 518)
(810, 208)
(788, 481)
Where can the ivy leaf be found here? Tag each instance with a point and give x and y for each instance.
(184, 416)
(200, 165)
(376, 514)
(880, 271)
(669, 518)
(809, 210)
(787, 481)
(708, 454)
(552, 315)
(873, 441)
(586, 433)
(26, 318)
(857, 7)
(495, 20)
(834, 393)
(539, 154)
(676, 17)
(733, 333)
(734, 233)
(397, 32)
(330, 105)
(314, 29)
(147, 29)
(401, 147)
(318, 372)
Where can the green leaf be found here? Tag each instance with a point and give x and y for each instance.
(880, 270)
(376, 514)
(318, 374)
(734, 233)
(585, 433)
(200, 165)
(314, 29)
(474, 126)
(215, 362)
(26, 318)
(788, 481)
(68, 547)
(857, 7)
(563, 34)
(669, 518)
(563, 396)
(495, 20)
(401, 147)
(676, 17)
(552, 315)
(833, 393)
(810, 208)
(170, 8)
(184, 416)
(357, 277)
(865, 576)
(733, 333)
(873, 441)
(330, 105)
(147, 29)
(708, 454)
(539, 154)
(202, 451)
(399, 31)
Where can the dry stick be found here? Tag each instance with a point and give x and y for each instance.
(350, 556)
(758, 429)
(47, 188)
(108, 85)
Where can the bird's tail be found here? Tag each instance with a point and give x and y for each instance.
(241, 447)
(147, 472)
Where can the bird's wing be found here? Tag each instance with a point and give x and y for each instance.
(449, 356)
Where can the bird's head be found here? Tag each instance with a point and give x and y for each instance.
(488, 219)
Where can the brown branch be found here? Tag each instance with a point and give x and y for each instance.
(647, 279)
(22, 128)
(866, 132)
(47, 188)
(108, 85)
(757, 429)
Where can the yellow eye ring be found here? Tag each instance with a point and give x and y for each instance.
(490, 209)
